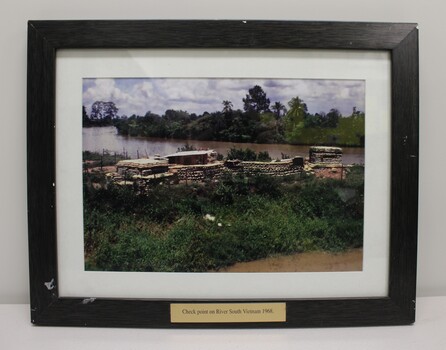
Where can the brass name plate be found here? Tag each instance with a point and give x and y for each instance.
(227, 313)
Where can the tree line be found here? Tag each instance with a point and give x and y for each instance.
(258, 122)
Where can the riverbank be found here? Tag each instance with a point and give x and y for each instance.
(198, 227)
(350, 260)
(97, 139)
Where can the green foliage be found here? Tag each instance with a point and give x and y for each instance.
(350, 131)
(257, 123)
(322, 120)
(279, 109)
(248, 154)
(263, 157)
(227, 106)
(295, 120)
(256, 100)
(85, 119)
(102, 114)
(166, 229)
(186, 147)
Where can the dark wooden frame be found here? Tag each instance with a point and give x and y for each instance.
(46, 37)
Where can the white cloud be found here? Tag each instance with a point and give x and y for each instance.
(137, 96)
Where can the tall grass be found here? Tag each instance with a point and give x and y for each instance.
(166, 229)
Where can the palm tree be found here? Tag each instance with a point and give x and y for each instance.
(294, 119)
(278, 108)
(298, 108)
(227, 106)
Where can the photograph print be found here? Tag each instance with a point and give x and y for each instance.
(223, 174)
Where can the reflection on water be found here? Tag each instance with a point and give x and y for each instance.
(97, 139)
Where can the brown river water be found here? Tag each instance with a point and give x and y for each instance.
(97, 139)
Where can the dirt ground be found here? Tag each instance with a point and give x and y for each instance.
(350, 260)
(105, 169)
(332, 173)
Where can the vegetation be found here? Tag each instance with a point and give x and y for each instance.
(259, 122)
(248, 154)
(171, 226)
(102, 114)
(96, 159)
(202, 227)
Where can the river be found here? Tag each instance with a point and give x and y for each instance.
(97, 139)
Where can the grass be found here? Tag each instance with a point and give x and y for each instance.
(96, 159)
(165, 229)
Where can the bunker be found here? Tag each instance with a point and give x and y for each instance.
(325, 155)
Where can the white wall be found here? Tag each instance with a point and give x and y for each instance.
(15, 13)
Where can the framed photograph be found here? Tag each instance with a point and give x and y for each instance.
(222, 173)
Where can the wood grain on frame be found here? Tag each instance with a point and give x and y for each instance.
(46, 37)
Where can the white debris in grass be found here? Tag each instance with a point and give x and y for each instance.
(209, 217)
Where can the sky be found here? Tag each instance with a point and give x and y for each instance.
(198, 95)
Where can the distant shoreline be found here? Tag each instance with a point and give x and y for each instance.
(212, 140)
